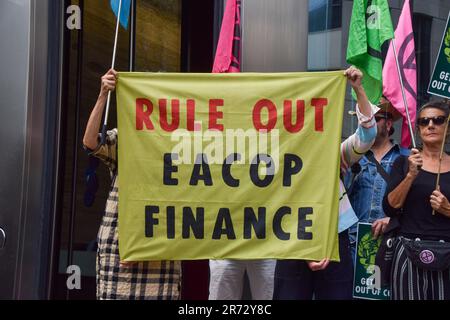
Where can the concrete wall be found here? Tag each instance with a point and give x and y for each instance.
(275, 35)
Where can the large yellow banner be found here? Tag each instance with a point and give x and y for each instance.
(235, 166)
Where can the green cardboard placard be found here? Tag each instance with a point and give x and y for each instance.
(367, 277)
(440, 80)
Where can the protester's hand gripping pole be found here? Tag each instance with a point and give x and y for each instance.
(405, 103)
(440, 159)
(108, 101)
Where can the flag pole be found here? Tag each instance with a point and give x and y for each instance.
(440, 159)
(440, 156)
(405, 103)
(108, 101)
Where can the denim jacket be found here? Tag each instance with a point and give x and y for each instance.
(367, 190)
(352, 149)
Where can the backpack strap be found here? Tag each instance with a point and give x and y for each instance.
(380, 169)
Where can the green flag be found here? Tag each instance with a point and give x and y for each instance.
(370, 27)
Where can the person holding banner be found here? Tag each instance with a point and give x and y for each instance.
(367, 180)
(325, 280)
(420, 201)
(116, 280)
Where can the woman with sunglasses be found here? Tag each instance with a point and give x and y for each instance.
(411, 197)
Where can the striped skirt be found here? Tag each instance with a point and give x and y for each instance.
(409, 282)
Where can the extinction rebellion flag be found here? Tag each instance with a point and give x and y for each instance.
(229, 166)
(406, 53)
(370, 27)
(228, 52)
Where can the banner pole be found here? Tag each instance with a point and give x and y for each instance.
(105, 121)
(440, 160)
(440, 157)
(405, 103)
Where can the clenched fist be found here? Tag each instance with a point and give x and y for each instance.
(108, 82)
(440, 203)
(354, 76)
(415, 162)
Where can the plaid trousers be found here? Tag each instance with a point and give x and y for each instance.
(137, 281)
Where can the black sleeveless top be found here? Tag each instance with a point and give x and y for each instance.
(416, 219)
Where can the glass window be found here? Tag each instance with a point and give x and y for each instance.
(158, 35)
(324, 15)
(422, 26)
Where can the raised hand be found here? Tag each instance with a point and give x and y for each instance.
(108, 82)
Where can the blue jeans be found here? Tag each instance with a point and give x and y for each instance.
(295, 281)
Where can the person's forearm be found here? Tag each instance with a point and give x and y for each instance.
(90, 138)
(363, 101)
(355, 146)
(396, 198)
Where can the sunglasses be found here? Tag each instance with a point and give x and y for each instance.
(423, 122)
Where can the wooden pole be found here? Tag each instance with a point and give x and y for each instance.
(440, 155)
(405, 103)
